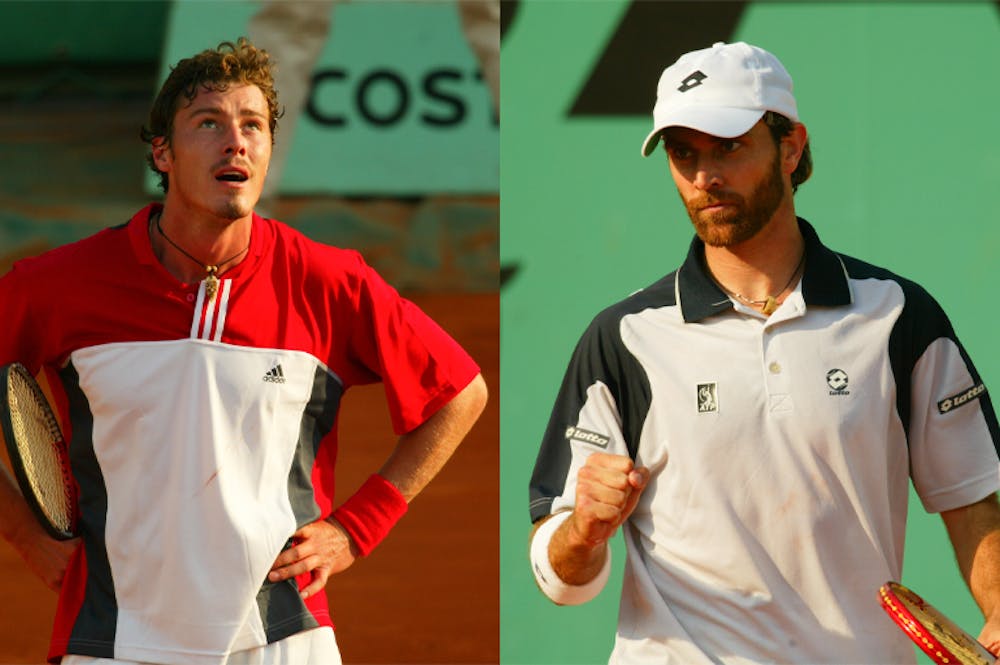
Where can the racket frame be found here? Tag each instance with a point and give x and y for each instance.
(893, 598)
(20, 474)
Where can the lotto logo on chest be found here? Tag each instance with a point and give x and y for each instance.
(837, 380)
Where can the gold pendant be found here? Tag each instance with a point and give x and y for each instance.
(211, 283)
(770, 305)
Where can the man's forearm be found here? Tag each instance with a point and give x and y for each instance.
(974, 531)
(984, 576)
(568, 570)
(420, 455)
(16, 517)
(574, 561)
(46, 557)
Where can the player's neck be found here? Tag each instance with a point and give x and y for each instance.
(188, 244)
(769, 264)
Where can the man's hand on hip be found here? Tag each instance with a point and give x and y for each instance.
(322, 548)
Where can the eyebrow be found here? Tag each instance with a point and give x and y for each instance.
(671, 140)
(216, 110)
(674, 141)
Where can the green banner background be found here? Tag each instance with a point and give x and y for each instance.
(394, 47)
(901, 101)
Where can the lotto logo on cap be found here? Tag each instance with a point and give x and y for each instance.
(723, 91)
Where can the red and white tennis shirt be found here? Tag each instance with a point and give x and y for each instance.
(203, 431)
(781, 449)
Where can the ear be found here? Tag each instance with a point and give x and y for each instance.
(162, 156)
(792, 146)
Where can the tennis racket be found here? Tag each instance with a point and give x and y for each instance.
(938, 637)
(38, 452)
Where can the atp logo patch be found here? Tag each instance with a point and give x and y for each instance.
(708, 397)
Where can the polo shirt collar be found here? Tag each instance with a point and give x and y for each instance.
(824, 282)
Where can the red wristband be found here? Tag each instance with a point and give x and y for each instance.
(371, 512)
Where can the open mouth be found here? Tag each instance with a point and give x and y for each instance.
(231, 177)
(232, 174)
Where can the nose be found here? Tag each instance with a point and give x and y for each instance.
(707, 176)
(235, 141)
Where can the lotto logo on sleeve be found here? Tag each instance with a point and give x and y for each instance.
(961, 399)
(586, 436)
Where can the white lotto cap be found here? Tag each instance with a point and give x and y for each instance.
(723, 91)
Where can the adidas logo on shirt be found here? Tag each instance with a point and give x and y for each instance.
(275, 375)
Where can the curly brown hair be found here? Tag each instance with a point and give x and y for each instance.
(213, 69)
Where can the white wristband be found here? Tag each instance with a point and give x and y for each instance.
(549, 582)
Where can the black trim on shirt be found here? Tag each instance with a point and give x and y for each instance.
(93, 632)
(600, 356)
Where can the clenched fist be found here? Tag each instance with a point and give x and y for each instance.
(607, 491)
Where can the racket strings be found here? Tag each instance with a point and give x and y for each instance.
(947, 633)
(40, 442)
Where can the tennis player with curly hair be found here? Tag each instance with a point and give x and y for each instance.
(201, 353)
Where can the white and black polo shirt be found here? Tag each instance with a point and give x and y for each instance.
(780, 448)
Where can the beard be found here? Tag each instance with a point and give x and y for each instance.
(744, 217)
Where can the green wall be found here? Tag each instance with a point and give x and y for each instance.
(43, 31)
(901, 102)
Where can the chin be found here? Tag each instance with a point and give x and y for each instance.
(728, 230)
(234, 210)
(715, 236)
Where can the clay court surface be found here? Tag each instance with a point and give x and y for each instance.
(429, 593)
